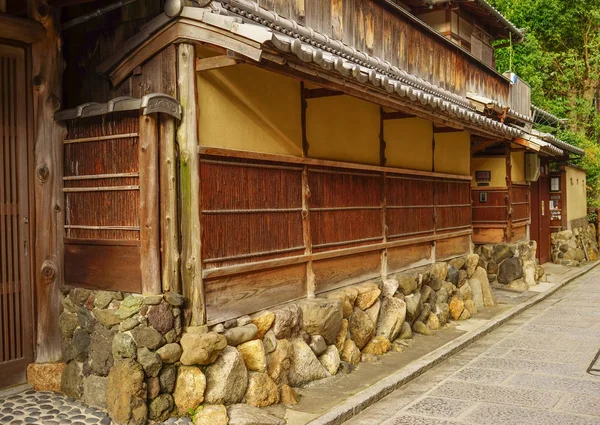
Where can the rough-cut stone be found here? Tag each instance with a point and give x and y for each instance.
(405, 331)
(94, 391)
(150, 361)
(288, 321)
(511, 269)
(123, 346)
(378, 345)
(391, 317)
(457, 263)
(433, 322)
(502, 252)
(465, 315)
(373, 311)
(492, 267)
(435, 283)
(288, 395)
(175, 299)
(471, 306)
(239, 335)
(227, 378)
(361, 328)
(421, 328)
(102, 299)
(153, 387)
(153, 299)
(472, 262)
(170, 353)
(426, 293)
(488, 296)
(243, 414)
(197, 330)
(45, 376)
(304, 366)
(263, 322)
(339, 341)
(317, 344)
(367, 295)
(129, 306)
(427, 308)
(161, 407)
(244, 320)
(253, 354)
(462, 278)
(262, 390)
(347, 303)
(201, 349)
(160, 317)
(350, 352)
(529, 272)
(68, 323)
(71, 383)
(439, 270)
(322, 316)
(518, 285)
(466, 292)
(407, 282)
(129, 324)
(145, 336)
(456, 306)
(443, 313)
(79, 295)
(452, 275)
(125, 393)
(211, 415)
(413, 306)
(167, 378)
(269, 341)
(107, 317)
(189, 388)
(442, 296)
(280, 362)
(389, 287)
(477, 291)
(330, 359)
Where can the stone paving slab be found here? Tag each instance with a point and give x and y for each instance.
(490, 414)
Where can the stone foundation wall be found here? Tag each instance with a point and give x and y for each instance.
(571, 248)
(130, 355)
(512, 266)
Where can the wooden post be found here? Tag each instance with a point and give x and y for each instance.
(47, 66)
(310, 273)
(149, 213)
(508, 193)
(189, 174)
(382, 162)
(168, 206)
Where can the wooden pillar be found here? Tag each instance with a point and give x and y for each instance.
(47, 66)
(189, 174)
(382, 162)
(168, 206)
(306, 232)
(149, 205)
(564, 222)
(508, 192)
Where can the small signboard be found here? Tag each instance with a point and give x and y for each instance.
(483, 176)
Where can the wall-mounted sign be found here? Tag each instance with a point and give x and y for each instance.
(483, 176)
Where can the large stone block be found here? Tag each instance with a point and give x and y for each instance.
(227, 378)
(391, 317)
(361, 328)
(322, 316)
(304, 366)
(94, 391)
(189, 388)
(262, 390)
(45, 376)
(511, 269)
(201, 349)
(125, 393)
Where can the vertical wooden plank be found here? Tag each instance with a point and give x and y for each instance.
(4, 201)
(168, 206)
(508, 193)
(337, 19)
(13, 242)
(47, 68)
(306, 230)
(149, 214)
(187, 137)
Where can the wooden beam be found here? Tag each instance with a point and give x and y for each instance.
(441, 130)
(47, 69)
(526, 144)
(21, 29)
(215, 62)
(507, 152)
(320, 92)
(478, 147)
(396, 115)
(149, 205)
(189, 175)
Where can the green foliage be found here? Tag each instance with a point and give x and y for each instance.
(560, 59)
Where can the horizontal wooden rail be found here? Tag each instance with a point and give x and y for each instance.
(340, 243)
(300, 259)
(101, 176)
(407, 207)
(322, 163)
(101, 138)
(251, 165)
(253, 211)
(357, 208)
(100, 189)
(253, 254)
(108, 242)
(82, 227)
(402, 235)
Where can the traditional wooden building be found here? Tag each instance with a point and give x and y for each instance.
(249, 154)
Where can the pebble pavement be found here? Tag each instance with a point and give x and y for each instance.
(47, 408)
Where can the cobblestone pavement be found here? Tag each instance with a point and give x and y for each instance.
(530, 371)
(46, 408)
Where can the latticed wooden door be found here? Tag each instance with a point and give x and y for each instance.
(15, 294)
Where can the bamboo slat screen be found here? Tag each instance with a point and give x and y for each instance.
(252, 210)
(520, 203)
(101, 182)
(494, 211)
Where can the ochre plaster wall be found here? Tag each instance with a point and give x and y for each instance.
(576, 194)
(517, 160)
(343, 128)
(409, 143)
(453, 153)
(497, 165)
(246, 108)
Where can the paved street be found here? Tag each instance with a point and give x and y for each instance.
(531, 371)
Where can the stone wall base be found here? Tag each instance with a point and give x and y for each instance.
(45, 376)
(571, 248)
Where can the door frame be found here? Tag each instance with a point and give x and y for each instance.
(15, 372)
(540, 213)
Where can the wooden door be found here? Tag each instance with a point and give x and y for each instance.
(16, 349)
(540, 215)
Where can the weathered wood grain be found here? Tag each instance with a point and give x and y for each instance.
(335, 273)
(448, 248)
(402, 258)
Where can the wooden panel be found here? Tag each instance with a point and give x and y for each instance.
(489, 235)
(409, 209)
(105, 267)
(337, 272)
(519, 233)
(238, 295)
(405, 257)
(15, 290)
(447, 248)
(492, 211)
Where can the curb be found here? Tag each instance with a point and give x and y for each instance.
(359, 402)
